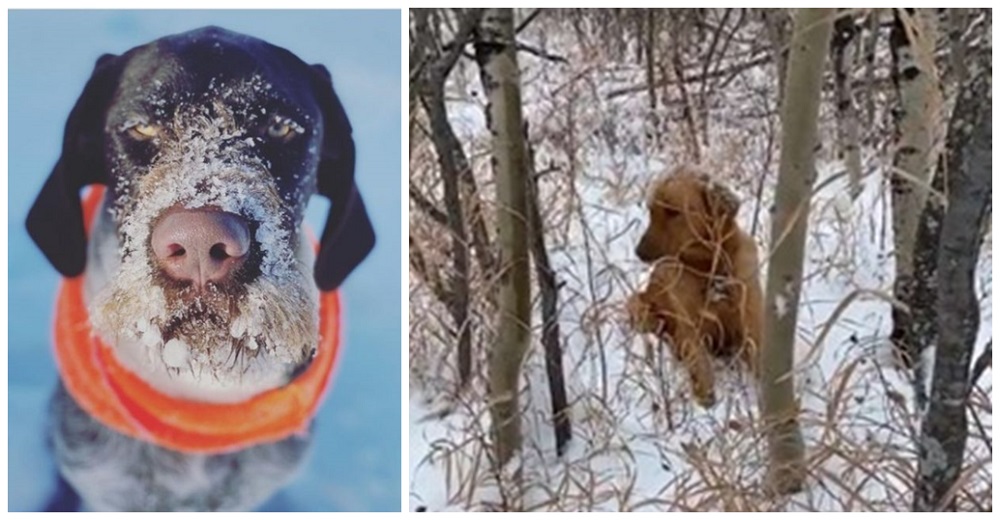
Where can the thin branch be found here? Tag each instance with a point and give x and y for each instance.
(428, 207)
(419, 264)
(735, 69)
(984, 361)
(527, 20)
(467, 23)
(524, 47)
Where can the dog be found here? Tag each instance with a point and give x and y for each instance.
(703, 296)
(197, 275)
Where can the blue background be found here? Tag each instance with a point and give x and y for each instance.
(355, 464)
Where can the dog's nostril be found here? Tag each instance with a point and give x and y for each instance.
(201, 245)
(218, 252)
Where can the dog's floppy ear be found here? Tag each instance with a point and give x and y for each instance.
(55, 221)
(348, 236)
(720, 201)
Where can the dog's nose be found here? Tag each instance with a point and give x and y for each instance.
(200, 245)
(642, 251)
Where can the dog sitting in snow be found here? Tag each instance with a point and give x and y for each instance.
(198, 324)
(703, 297)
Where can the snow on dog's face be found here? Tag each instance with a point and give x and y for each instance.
(207, 128)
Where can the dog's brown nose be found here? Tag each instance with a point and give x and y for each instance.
(200, 245)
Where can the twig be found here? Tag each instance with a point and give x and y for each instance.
(527, 20)
(524, 47)
(540, 53)
(735, 69)
(987, 438)
(428, 207)
(984, 361)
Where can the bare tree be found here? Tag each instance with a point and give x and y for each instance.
(495, 53)
(870, 49)
(693, 135)
(776, 22)
(913, 41)
(548, 287)
(431, 62)
(844, 41)
(944, 429)
(809, 44)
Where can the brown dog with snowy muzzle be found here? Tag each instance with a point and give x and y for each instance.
(703, 296)
(197, 324)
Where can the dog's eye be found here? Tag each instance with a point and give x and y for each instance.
(279, 130)
(667, 211)
(143, 131)
(284, 129)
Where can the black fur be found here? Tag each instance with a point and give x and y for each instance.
(93, 149)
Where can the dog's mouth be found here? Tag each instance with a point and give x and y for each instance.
(201, 317)
(200, 326)
(193, 311)
(255, 324)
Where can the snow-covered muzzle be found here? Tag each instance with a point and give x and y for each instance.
(254, 330)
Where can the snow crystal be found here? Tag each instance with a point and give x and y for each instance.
(175, 353)
(781, 305)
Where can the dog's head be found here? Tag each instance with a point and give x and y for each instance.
(211, 144)
(689, 216)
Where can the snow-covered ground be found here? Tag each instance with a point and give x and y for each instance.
(639, 441)
(356, 457)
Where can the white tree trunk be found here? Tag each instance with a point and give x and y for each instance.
(846, 39)
(497, 59)
(918, 123)
(919, 126)
(809, 44)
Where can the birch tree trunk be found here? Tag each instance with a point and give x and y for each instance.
(871, 46)
(944, 429)
(796, 173)
(649, 43)
(844, 42)
(495, 53)
(912, 41)
(776, 26)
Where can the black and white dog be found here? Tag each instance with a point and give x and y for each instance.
(197, 272)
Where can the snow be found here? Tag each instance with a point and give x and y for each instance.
(781, 305)
(355, 462)
(175, 353)
(639, 441)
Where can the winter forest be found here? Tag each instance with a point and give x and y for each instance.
(834, 165)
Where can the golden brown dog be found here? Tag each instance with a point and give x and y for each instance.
(703, 295)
